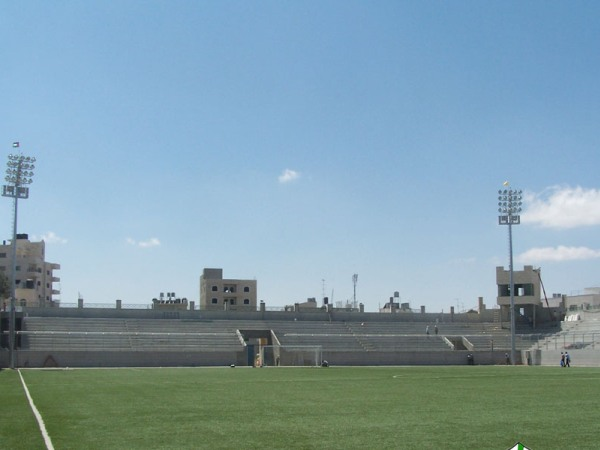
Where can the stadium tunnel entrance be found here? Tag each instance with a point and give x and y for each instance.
(255, 340)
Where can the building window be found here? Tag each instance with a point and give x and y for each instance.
(246, 289)
(246, 301)
(18, 268)
(229, 289)
(2, 255)
(232, 301)
(214, 301)
(215, 288)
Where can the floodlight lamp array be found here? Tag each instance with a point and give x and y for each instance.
(510, 201)
(19, 169)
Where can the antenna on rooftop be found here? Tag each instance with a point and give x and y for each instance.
(354, 281)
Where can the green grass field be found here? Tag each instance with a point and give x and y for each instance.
(304, 408)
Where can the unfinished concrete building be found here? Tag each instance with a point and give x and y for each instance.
(217, 293)
(527, 292)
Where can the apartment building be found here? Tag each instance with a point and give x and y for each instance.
(217, 293)
(34, 276)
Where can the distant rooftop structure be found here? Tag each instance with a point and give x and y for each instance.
(394, 305)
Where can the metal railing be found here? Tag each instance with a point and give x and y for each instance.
(106, 305)
(570, 341)
(138, 306)
(125, 341)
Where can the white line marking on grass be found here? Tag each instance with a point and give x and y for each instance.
(38, 416)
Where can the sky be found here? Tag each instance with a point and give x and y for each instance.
(299, 143)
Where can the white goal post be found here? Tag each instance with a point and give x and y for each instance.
(292, 355)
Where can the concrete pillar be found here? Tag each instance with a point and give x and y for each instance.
(452, 314)
(80, 303)
(296, 307)
(481, 305)
(262, 306)
(422, 309)
(361, 307)
(192, 306)
(119, 304)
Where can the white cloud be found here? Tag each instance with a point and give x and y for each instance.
(557, 254)
(288, 175)
(50, 237)
(563, 207)
(152, 242)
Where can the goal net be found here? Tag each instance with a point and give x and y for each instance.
(292, 355)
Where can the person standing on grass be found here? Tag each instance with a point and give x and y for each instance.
(562, 359)
(567, 360)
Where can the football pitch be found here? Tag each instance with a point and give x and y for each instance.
(466, 407)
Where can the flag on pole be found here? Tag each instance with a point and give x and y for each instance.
(15, 144)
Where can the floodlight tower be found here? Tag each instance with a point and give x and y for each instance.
(354, 281)
(509, 207)
(19, 174)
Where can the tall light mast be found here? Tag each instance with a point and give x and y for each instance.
(19, 174)
(509, 207)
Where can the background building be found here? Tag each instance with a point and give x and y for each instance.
(219, 294)
(34, 276)
(589, 300)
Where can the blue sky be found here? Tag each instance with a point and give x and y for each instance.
(299, 143)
